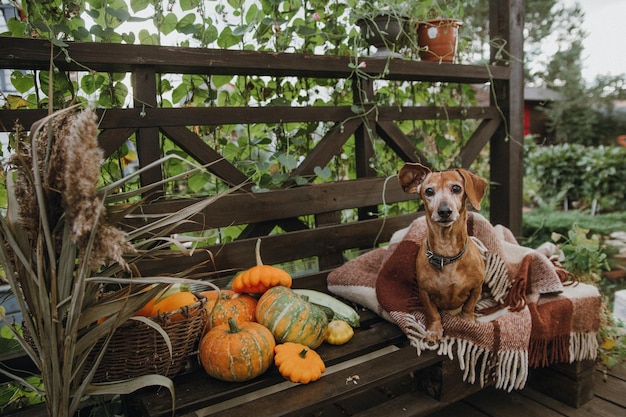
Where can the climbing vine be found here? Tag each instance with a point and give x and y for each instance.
(265, 152)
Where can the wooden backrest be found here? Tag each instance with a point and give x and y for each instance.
(297, 224)
(319, 221)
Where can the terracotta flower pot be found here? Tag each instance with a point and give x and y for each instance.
(437, 39)
(383, 31)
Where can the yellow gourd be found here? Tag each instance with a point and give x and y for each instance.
(339, 332)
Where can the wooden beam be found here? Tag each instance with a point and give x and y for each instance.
(328, 146)
(111, 139)
(20, 53)
(134, 118)
(480, 138)
(205, 155)
(245, 207)
(400, 143)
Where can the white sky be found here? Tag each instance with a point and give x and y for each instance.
(603, 18)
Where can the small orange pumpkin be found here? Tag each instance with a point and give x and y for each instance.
(260, 277)
(241, 307)
(174, 302)
(147, 309)
(236, 353)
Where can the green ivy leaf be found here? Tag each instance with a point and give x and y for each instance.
(88, 83)
(189, 4)
(170, 21)
(226, 39)
(119, 13)
(139, 5)
(236, 4)
(220, 80)
(179, 93)
(16, 27)
(242, 30)
(186, 24)
(197, 181)
(287, 161)
(300, 180)
(59, 43)
(22, 82)
(145, 38)
(323, 173)
(305, 30)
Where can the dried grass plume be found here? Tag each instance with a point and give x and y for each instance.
(69, 166)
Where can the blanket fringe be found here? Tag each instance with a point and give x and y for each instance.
(497, 277)
(583, 346)
(511, 369)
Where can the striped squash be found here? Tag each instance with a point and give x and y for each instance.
(237, 352)
(241, 307)
(291, 318)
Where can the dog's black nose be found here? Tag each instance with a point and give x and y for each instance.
(444, 211)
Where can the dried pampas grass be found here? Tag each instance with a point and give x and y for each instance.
(69, 168)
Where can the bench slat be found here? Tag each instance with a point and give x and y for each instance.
(243, 208)
(335, 385)
(285, 247)
(197, 390)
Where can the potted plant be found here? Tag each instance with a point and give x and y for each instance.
(383, 30)
(438, 38)
(391, 25)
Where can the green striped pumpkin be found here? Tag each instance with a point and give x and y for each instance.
(237, 352)
(291, 318)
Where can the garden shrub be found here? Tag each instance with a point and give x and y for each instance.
(576, 176)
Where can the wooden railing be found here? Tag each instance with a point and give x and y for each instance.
(501, 123)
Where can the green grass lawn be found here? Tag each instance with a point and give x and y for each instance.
(539, 224)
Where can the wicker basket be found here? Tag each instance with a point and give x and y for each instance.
(137, 349)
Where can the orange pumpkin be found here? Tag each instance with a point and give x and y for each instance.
(298, 363)
(174, 302)
(241, 307)
(291, 318)
(259, 278)
(236, 353)
(148, 309)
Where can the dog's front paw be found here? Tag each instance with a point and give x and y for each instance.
(434, 333)
(469, 315)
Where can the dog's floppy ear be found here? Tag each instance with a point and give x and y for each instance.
(411, 176)
(475, 187)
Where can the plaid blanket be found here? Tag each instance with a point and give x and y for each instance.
(530, 313)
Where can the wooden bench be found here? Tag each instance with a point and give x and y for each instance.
(358, 372)
(377, 372)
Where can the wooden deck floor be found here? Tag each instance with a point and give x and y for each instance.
(609, 401)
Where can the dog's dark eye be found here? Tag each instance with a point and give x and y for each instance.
(456, 189)
(429, 192)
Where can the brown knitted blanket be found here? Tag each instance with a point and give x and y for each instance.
(528, 316)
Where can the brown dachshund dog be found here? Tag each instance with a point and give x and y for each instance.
(450, 266)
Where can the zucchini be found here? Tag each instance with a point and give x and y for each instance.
(342, 310)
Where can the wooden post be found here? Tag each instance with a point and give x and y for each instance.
(363, 91)
(506, 21)
(148, 146)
